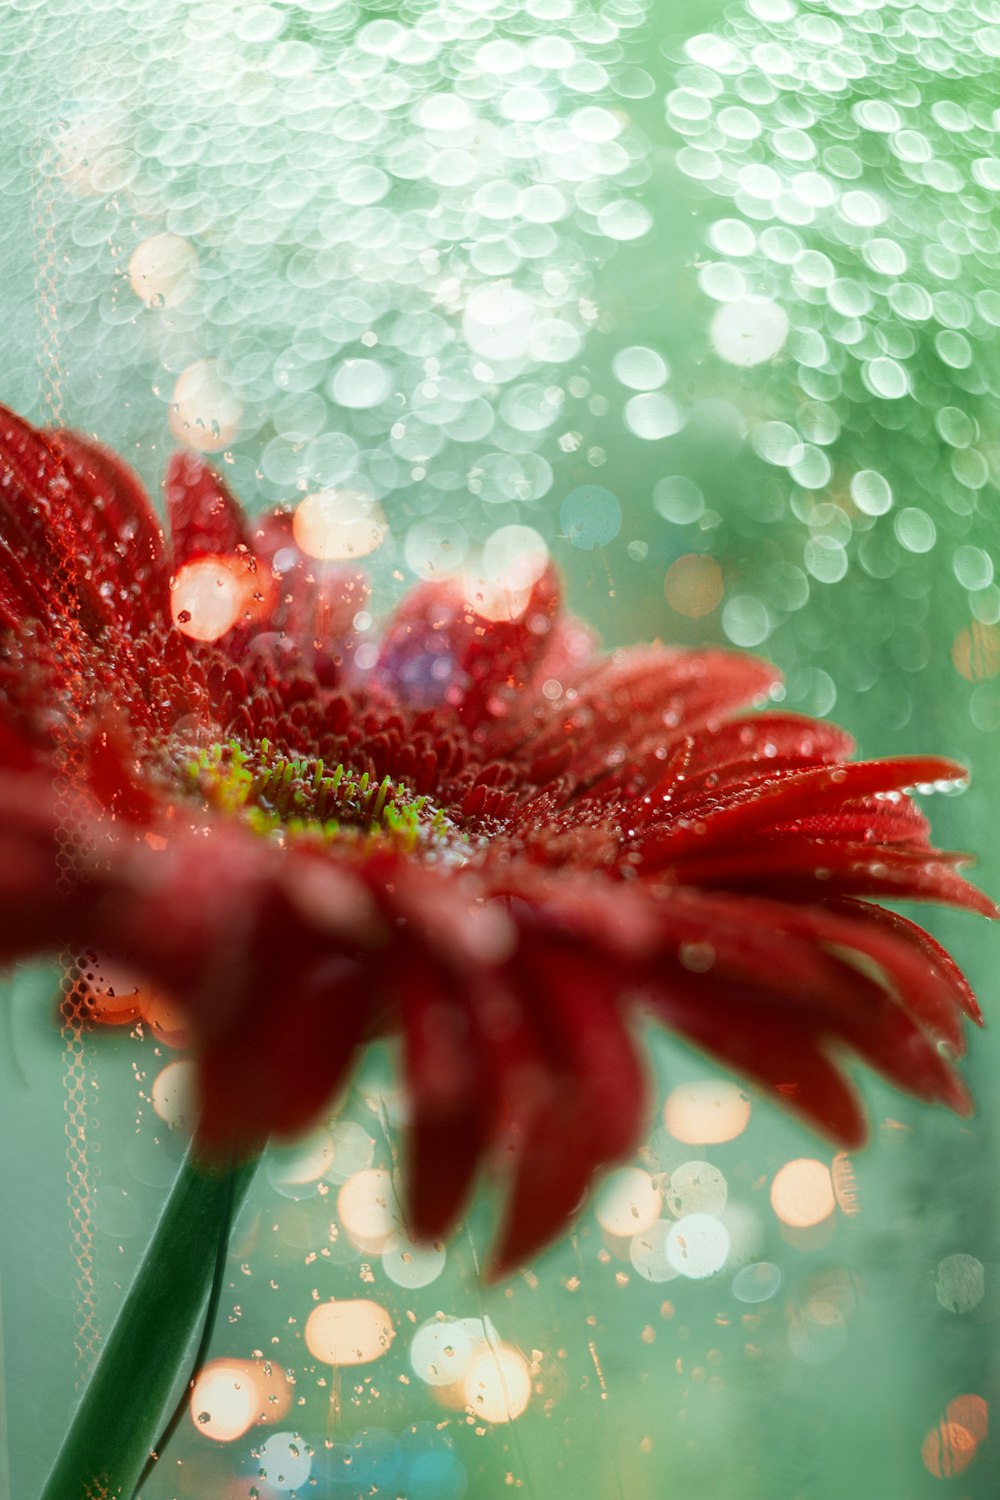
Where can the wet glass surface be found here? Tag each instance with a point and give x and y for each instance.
(704, 307)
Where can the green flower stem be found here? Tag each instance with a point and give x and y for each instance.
(125, 1405)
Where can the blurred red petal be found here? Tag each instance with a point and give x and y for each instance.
(439, 650)
(205, 519)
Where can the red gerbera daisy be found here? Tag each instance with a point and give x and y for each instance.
(479, 834)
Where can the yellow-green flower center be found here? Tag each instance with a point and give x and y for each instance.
(285, 796)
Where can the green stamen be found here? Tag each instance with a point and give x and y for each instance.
(281, 796)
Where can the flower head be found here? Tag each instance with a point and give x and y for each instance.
(480, 834)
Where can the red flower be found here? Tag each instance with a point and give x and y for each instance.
(478, 834)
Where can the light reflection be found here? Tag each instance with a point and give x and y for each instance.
(440, 1352)
(204, 414)
(223, 1401)
(349, 1332)
(173, 1094)
(975, 652)
(336, 524)
(802, 1193)
(161, 270)
(410, 1264)
(757, 1282)
(498, 1384)
(369, 1211)
(698, 1245)
(947, 1450)
(113, 996)
(972, 1413)
(628, 1202)
(706, 1113)
(696, 1186)
(208, 596)
(496, 598)
(648, 1252)
(285, 1462)
(693, 585)
(961, 1283)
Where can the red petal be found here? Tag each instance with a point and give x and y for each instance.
(771, 740)
(787, 1059)
(288, 1054)
(594, 1111)
(801, 794)
(937, 957)
(438, 649)
(730, 937)
(205, 519)
(112, 510)
(642, 700)
(808, 869)
(446, 1135)
(53, 556)
(113, 773)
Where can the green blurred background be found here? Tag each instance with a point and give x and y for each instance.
(706, 299)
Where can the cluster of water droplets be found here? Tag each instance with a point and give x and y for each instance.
(852, 264)
(333, 245)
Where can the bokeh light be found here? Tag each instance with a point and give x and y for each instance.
(224, 1400)
(976, 651)
(497, 1384)
(337, 524)
(648, 1252)
(369, 1210)
(354, 1331)
(802, 1193)
(696, 1187)
(947, 1450)
(167, 1020)
(757, 1282)
(204, 413)
(440, 1352)
(162, 269)
(693, 585)
(698, 1245)
(173, 1094)
(274, 1391)
(413, 1264)
(845, 1188)
(295, 1171)
(112, 993)
(961, 1282)
(514, 557)
(706, 1112)
(591, 516)
(352, 1150)
(748, 332)
(627, 1202)
(285, 1462)
(495, 598)
(208, 597)
(971, 1412)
